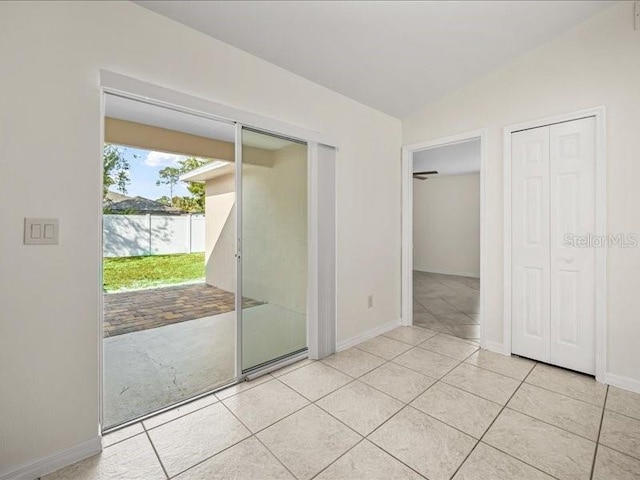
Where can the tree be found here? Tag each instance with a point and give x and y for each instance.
(115, 169)
(196, 189)
(169, 176)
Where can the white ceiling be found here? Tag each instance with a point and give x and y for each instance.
(395, 56)
(457, 159)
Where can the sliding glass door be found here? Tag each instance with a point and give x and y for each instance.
(272, 248)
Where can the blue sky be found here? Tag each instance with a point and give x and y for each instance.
(144, 173)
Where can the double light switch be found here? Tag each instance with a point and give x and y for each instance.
(41, 231)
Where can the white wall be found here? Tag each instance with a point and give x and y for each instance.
(596, 63)
(446, 225)
(50, 152)
(133, 235)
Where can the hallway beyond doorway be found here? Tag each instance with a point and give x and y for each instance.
(447, 304)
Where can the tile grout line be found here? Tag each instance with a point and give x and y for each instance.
(166, 474)
(489, 428)
(595, 452)
(255, 435)
(382, 448)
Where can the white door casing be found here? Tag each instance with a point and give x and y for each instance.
(553, 279)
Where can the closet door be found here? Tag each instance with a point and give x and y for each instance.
(572, 185)
(530, 275)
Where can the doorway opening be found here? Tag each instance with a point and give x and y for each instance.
(205, 256)
(442, 236)
(168, 332)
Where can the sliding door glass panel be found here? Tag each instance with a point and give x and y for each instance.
(274, 248)
(169, 268)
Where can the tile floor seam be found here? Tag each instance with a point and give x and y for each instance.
(460, 311)
(200, 462)
(174, 419)
(619, 413)
(336, 418)
(274, 456)
(563, 394)
(618, 451)
(326, 394)
(480, 440)
(507, 407)
(294, 369)
(595, 453)
(386, 359)
(465, 391)
(444, 423)
(446, 355)
(155, 451)
(120, 441)
(310, 402)
(435, 380)
(498, 373)
(385, 450)
(342, 455)
(210, 456)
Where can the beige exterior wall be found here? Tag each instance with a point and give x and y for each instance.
(274, 230)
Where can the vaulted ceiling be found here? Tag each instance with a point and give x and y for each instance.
(395, 56)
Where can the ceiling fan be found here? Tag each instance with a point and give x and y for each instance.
(420, 175)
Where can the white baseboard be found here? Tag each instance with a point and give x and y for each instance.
(363, 337)
(625, 383)
(54, 462)
(496, 347)
(449, 272)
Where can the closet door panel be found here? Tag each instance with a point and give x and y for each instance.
(530, 243)
(572, 255)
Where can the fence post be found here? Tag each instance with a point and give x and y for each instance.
(150, 252)
(189, 234)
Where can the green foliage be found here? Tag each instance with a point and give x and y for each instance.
(115, 169)
(169, 176)
(196, 189)
(152, 270)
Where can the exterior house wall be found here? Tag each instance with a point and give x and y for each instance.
(274, 230)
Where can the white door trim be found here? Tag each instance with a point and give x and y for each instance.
(601, 227)
(407, 221)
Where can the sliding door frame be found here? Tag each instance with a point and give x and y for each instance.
(321, 329)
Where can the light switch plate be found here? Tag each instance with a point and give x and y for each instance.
(41, 231)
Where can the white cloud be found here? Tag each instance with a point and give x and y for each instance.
(162, 159)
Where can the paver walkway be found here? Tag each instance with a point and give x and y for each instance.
(137, 310)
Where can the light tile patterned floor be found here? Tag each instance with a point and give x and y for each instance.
(447, 304)
(410, 404)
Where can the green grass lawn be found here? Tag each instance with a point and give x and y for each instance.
(152, 270)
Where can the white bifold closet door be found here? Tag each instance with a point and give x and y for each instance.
(553, 273)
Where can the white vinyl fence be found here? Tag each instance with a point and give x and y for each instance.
(133, 235)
